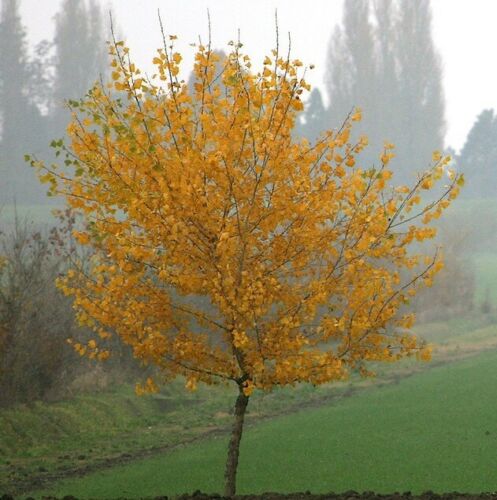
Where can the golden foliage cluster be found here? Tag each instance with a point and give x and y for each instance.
(227, 249)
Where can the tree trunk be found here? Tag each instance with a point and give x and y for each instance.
(234, 445)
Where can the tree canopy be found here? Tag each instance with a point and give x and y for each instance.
(226, 250)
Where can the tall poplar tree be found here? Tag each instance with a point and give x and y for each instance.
(80, 54)
(351, 78)
(383, 60)
(20, 119)
(421, 105)
(13, 73)
(387, 119)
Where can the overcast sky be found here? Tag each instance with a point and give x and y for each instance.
(464, 33)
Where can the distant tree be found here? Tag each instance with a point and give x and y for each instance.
(478, 157)
(383, 60)
(351, 74)
(421, 105)
(13, 69)
(303, 256)
(80, 54)
(313, 120)
(21, 123)
(387, 119)
(40, 81)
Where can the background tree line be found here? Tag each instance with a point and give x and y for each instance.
(33, 87)
(381, 58)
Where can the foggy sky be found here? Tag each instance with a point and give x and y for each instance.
(464, 33)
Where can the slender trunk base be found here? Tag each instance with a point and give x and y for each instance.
(234, 444)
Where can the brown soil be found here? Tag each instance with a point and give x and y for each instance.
(348, 495)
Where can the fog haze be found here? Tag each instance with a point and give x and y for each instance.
(463, 31)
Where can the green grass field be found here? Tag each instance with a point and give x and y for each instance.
(433, 431)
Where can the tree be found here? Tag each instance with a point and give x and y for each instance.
(422, 101)
(80, 56)
(13, 73)
(352, 71)
(301, 254)
(387, 120)
(383, 59)
(20, 120)
(314, 118)
(454, 295)
(220, 56)
(34, 320)
(479, 155)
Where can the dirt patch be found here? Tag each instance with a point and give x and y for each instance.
(348, 495)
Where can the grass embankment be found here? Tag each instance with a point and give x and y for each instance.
(436, 430)
(48, 441)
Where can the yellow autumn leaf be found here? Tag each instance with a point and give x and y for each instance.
(436, 156)
(427, 183)
(357, 115)
(82, 237)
